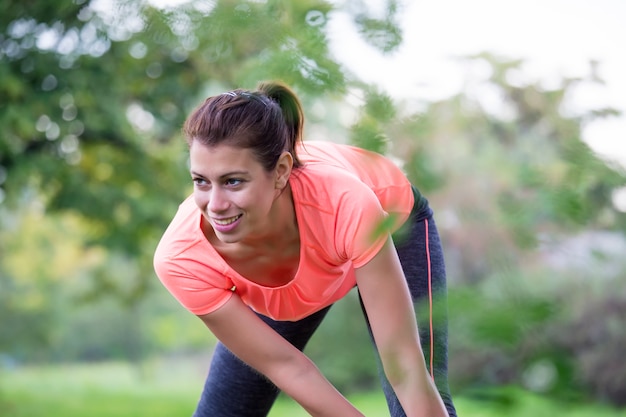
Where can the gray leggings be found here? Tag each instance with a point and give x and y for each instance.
(233, 389)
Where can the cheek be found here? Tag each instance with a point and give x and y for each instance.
(200, 198)
(258, 202)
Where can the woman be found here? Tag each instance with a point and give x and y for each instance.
(275, 232)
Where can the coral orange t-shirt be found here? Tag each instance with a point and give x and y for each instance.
(341, 195)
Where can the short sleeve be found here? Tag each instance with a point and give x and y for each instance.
(360, 229)
(198, 288)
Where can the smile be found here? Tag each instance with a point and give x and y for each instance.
(226, 222)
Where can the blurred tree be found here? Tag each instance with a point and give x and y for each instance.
(38, 278)
(92, 95)
(509, 176)
(508, 164)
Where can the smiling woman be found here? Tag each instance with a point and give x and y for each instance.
(228, 182)
(278, 230)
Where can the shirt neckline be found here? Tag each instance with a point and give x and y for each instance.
(235, 276)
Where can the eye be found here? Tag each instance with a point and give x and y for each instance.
(199, 181)
(233, 182)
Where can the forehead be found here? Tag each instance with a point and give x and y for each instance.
(221, 158)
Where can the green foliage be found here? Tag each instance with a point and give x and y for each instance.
(115, 389)
(92, 168)
(383, 33)
(377, 112)
(593, 335)
(498, 322)
(107, 389)
(553, 332)
(380, 106)
(109, 97)
(91, 102)
(368, 135)
(33, 277)
(502, 339)
(342, 348)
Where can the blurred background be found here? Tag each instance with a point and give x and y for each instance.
(508, 115)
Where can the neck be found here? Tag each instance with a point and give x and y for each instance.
(281, 229)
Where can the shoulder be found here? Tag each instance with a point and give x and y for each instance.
(381, 175)
(182, 244)
(328, 188)
(187, 265)
(359, 161)
(183, 231)
(337, 213)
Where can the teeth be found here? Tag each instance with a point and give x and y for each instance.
(226, 222)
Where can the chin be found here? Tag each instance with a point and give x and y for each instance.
(228, 238)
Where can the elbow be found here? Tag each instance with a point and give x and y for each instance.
(402, 367)
(395, 373)
(287, 372)
(395, 370)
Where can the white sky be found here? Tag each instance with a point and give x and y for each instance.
(556, 38)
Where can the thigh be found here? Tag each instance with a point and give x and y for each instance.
(233, 389)
(421, 256)
(423, 264)
(422, 260)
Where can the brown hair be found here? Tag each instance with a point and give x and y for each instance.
(268, 121)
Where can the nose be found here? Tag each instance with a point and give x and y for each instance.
(218, 201)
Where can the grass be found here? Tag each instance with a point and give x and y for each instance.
(95, 390)
(171, 388)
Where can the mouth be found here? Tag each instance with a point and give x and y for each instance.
(226, 221)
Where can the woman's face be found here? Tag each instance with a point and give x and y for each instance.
(234, 192)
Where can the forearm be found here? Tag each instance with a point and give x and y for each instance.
(314, 392)
(419, 396)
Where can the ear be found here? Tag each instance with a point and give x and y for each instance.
(283, 170)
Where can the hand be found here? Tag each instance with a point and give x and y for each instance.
(257, 344)
(387, 300)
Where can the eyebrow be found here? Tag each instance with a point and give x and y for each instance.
(226, 175)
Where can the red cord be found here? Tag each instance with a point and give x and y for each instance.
(430, 304)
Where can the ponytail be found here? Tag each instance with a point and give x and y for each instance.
(269, 121)
(292, 112)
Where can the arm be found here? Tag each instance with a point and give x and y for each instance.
(390, 311)
(254, 342)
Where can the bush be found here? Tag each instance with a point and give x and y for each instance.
(595, 339)
(564, 339)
